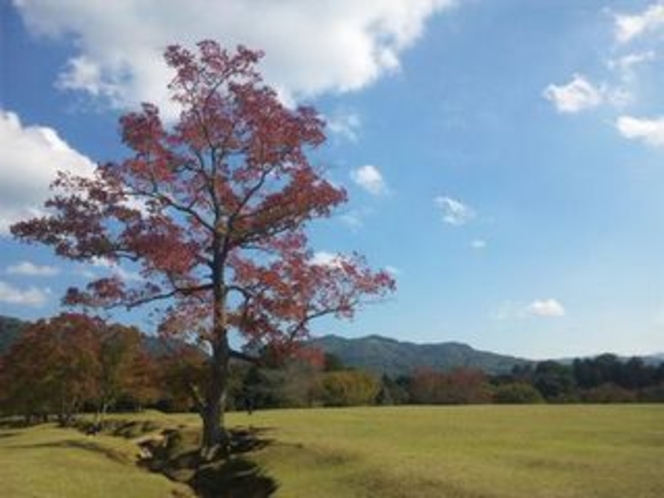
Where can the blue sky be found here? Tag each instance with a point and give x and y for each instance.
(504, 159)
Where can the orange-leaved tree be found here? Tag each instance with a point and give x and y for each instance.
(213, 209)
(53, 367)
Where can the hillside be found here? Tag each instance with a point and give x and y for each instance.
(392, 357)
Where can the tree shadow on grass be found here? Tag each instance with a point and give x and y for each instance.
(176, 455)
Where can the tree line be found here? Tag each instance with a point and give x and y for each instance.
(603, 379)
(58, 368)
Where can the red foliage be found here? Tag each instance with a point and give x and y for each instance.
(53, 367)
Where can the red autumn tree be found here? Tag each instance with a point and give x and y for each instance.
(123, 366)
(213, 209)
(53, 367)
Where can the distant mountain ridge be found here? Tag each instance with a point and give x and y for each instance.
(384, 355)
(374, 352)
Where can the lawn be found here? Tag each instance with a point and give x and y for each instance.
(471, 451)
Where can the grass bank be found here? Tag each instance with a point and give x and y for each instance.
(48, 462)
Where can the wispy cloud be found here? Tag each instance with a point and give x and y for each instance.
(454, 211)
(649, 131)
(393, 270)
(370, 179)
(344, 123)
(115, 270)
(627, 64)
(352, 219)
(32, 270)
(32, 296)
(478, 244)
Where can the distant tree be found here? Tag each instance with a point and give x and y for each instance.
(347, 388)
(121, 363)
(586, 373)
(608, 393)
(635, 374)
(181, 377)
(516, 393)
(53, 367)
(213, 210)
(460, 386)
(554, 381)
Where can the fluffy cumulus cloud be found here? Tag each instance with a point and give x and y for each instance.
(370, 179)
(649, 131)
(312, 47)
(454, 211)
(631, 26)
(31, 156)
(31, 296)
(32, 270)
(577, 95)
(546, 308)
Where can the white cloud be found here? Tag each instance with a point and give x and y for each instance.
(546, 308)
(514, 310)
(650, 131)
(29, 297)
(30, 269)
(454, 212)
(345, 124)
(577, 95)
(115, 270)
(312, 47)
(478, 244)
(629, 27)
(31, 155)
(370, 179)
(325, 258)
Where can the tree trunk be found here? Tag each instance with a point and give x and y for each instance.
(215, 437)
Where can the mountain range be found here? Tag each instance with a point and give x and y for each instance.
(392, 357)
(375, 353)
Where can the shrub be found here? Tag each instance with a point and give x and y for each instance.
(517, 392)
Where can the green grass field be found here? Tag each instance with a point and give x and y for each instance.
(471, 451)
